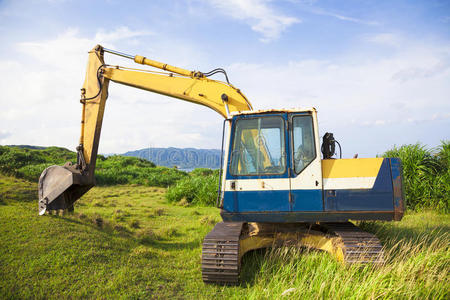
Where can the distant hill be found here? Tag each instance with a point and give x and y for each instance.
(183, 158)
(29, 147)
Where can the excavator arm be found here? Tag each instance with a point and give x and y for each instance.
(61, 186)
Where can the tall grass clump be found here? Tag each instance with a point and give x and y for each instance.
(415, 269)
(199, 188)
(426, 175)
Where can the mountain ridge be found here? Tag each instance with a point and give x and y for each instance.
(182, 158)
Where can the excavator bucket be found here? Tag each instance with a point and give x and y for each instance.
(60, 187)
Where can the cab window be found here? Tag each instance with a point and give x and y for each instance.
(304, 151)
(258, 146)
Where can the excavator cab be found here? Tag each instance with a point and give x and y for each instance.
(274, 164)
(275, 173)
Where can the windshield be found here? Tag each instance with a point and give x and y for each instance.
(303, 136)
(258, 146)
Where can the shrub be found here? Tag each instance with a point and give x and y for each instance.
(32, 172)
(203, 172)
(131, 170)
(195, 189)
(27, 163)
(426, 175)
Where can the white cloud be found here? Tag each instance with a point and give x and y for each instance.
(417, 60)
(259, 15)
(422, 72)
(4, 134)
(120, 33)
(319, 11)
(389, 39)
(311, 7)
(69, 48)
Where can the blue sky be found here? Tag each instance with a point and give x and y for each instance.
(377, 71)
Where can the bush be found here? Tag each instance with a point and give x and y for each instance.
(136, 174)
(203, 172)
(25, 163)
(29, 163)
(32, 172)
(196, 189)
(426, 175)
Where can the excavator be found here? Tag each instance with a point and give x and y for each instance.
(278, 185)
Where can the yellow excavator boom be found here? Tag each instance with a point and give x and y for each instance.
(60, 187)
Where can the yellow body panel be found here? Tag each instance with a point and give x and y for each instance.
(346, 168)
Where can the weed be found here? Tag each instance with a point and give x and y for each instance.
(98, 221)
(98, 203)
(183, 202)
(146, 236)
(135, 224)
(208, 220)
(142, 251)
(167, 232)
(120, 215)
(120, 228)
(159, 211)
(111, 195)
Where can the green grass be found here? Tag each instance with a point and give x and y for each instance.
(128, 242)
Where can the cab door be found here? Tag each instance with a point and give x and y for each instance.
(306, 168)
(257, 177)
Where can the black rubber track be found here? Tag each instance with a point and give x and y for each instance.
(220, 254)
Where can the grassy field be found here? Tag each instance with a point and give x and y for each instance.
(128, 242)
